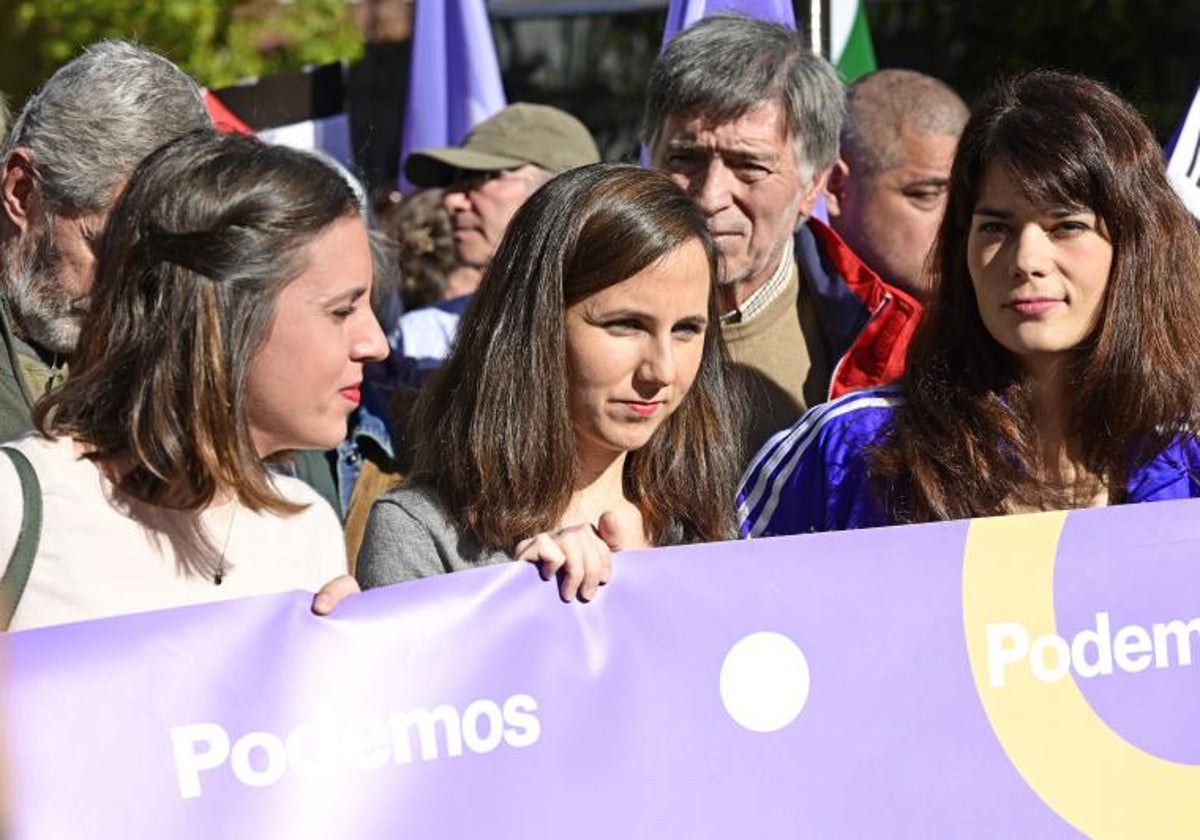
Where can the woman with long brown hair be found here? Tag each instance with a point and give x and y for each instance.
(584, 406)
(229, 325)
(1056, 367)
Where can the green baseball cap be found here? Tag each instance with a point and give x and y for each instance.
(517, 135)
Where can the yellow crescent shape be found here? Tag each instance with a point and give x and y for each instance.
(1087, 773)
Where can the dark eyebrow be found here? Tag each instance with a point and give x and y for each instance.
(1063, 212)
(639, 315)
(1054, 213)
(616, 314)
(928, 182)
(348, 296)
(683, 145)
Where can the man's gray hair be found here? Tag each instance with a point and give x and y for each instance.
(94, 120)
(882, 105)
(726, 65)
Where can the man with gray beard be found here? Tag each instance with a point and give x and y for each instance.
(65, 160)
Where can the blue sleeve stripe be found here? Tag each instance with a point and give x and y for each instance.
(768, 475)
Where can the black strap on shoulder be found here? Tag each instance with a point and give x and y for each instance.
(20, 563)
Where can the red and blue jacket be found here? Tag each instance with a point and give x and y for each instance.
(867, 323)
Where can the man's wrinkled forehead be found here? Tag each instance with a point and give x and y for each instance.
(710, 114)
(752, 132)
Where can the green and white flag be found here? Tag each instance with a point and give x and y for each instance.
(850, 39)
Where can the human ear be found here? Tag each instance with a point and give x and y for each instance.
(18, 188)
(835, 187)
(812, 192)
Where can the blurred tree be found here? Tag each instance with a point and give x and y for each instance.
(1144, 49)
(217, 41)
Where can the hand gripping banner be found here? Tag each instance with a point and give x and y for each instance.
(1030, 676)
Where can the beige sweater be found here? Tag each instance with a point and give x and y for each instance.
(780, 357)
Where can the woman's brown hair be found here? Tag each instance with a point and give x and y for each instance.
(964, 442)
(493, 430)
(421, 237)
(208, 231)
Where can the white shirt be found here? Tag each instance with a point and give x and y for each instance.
(428, 333)
(96, 558)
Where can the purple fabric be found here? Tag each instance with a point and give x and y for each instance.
(455, 79)
(683, 13)
(589, 721)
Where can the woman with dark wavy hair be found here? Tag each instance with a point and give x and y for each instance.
(229, 323)
(584, 406)
(1057, 365)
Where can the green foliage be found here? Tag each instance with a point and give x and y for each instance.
(217, 41)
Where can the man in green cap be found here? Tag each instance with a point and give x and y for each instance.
(486, 180)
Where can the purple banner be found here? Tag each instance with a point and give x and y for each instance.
(683, 13)
(1028, 676)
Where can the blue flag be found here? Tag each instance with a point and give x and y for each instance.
(455, 79)
(683, 13)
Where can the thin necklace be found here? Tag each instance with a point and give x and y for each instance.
(219, 574)
(56, 374)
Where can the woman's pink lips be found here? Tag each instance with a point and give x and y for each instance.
(642, 409)
(353, 394)
(1034, 306)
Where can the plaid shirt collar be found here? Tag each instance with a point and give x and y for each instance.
(765, 295)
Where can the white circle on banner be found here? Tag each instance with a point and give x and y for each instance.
(764, 681)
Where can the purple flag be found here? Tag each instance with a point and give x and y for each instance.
(1024, 676)
(683, 13)
(455, 79)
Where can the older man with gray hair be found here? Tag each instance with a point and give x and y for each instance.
(887, 193)
(63, 165)
(741, 115)
(65, 160)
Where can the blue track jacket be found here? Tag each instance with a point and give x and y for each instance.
(813, 476)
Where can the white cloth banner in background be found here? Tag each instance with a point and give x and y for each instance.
(1183, 161)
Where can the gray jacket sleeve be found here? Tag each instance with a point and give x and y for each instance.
(395, 547)
(409, 536)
